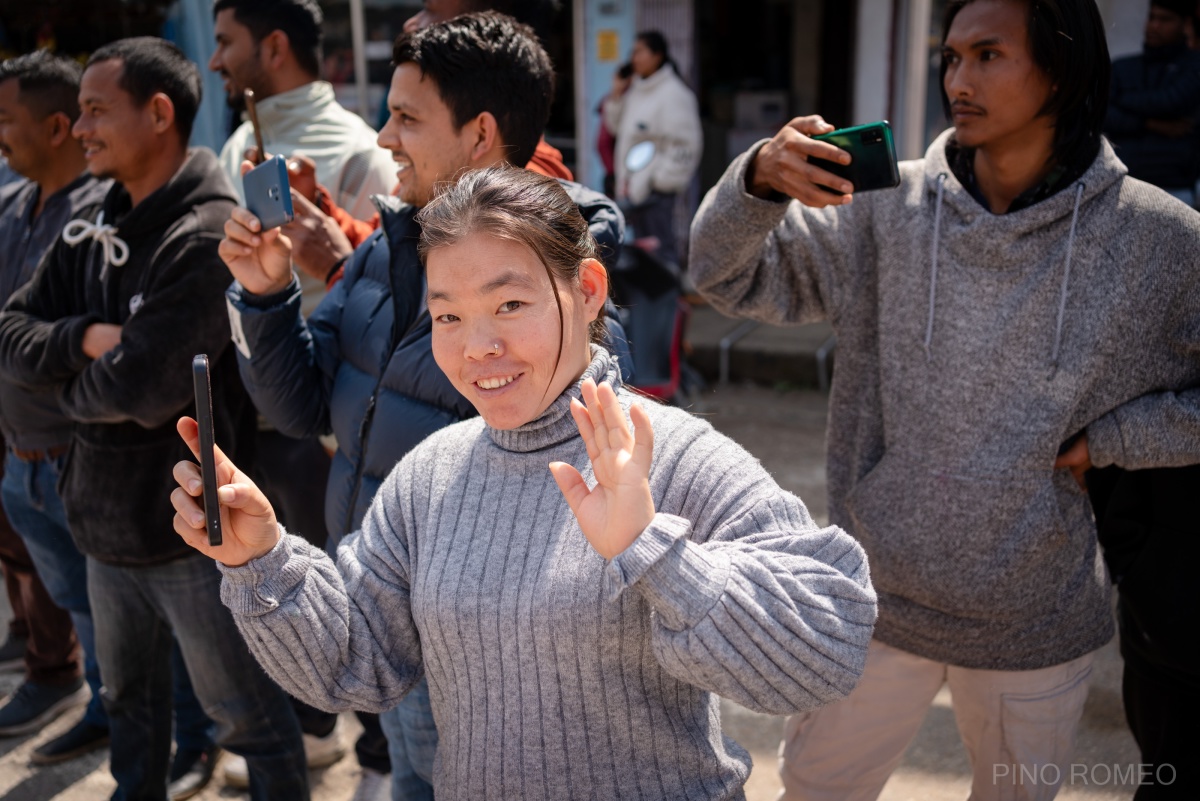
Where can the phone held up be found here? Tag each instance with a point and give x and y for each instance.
(872, 156)
(268, 195)
(208, 459)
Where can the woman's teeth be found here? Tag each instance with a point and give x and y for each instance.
(495, 383)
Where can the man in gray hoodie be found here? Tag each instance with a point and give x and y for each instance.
(1018, 310)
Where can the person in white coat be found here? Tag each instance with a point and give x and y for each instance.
(657, 107)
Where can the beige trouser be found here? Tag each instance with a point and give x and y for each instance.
(1018, 727)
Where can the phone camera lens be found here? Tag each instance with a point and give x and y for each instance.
(872, 137)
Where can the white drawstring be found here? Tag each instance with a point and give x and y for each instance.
(116, 252)
(933, 258)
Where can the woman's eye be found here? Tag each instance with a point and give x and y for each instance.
(446, 318)
(510, 306)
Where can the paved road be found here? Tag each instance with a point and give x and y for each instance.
(786, 431)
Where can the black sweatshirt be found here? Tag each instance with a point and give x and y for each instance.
(169, 298)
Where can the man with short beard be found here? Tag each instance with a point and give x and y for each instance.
(1017, 310)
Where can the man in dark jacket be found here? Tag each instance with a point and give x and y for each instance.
(361, 366)
(1154, 104)
(124, 299)
(1147, 524)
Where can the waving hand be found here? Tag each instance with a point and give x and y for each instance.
(616, 511)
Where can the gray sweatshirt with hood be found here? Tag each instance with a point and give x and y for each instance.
(970, 347)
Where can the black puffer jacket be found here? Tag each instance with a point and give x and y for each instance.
(169, 299)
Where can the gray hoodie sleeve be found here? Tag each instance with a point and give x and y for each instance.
(777, 262)
(1161, 429)
(751, 600)
(341, 636)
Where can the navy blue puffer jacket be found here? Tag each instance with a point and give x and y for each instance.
(362, 366)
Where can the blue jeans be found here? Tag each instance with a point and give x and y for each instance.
(36, 512)
(142, 606)
(412, 745)
(30, 495)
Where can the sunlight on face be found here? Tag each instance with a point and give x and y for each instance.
(496, 332)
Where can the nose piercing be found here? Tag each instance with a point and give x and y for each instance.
(496, 347)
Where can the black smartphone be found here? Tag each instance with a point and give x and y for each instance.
(268, 194)
(208, 444)
(873, 157)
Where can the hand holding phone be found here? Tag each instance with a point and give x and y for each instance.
(872, 157)
(783, 166)
(236, 523)
(268, 195)
(208, 459)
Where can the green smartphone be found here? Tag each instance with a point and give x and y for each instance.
(873, 156)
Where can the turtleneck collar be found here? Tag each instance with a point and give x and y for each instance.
(555, 425)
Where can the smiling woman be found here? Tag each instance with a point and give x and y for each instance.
(575, 623)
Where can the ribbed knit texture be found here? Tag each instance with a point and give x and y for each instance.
(553, 674)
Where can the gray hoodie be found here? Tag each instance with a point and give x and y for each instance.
(970, 346)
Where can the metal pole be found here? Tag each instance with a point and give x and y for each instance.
(358, 41)
(727, 344)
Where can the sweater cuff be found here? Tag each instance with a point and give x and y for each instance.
(1106, 446)
(260, 585)
(680, 580)
(249, 299)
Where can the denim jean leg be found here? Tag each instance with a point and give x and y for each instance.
(133, 645)
(412, 745)
(194, 730)
(31, 501)
(254, 716)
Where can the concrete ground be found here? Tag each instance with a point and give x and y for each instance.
(785, 428)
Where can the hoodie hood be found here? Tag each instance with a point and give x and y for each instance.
(1008, 232)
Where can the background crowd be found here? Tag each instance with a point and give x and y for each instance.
(1014, 424)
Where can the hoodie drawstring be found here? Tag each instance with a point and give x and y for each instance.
(933, 258)
(1062, 295)
(116, 252)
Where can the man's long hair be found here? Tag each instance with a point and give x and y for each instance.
(1066, 38)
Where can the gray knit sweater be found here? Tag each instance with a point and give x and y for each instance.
(970, 347)
(553, 674)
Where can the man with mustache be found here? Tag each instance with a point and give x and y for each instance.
(1018, 310)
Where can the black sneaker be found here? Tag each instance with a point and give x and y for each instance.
(191, 771)
(12, 653)
(32, 706)
(80, 739)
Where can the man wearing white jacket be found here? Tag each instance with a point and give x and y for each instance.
(657, 107)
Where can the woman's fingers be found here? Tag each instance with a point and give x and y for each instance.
(595, 415)
(614, 418)
(587, 431)
(643, 438)
(189, 431)
(570, 484)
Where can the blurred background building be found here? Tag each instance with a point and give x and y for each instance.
(753, 63)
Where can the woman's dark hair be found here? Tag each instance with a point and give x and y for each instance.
(487, 62)
(150, 65)
(520, 206)
(300, 21)
(1066, 38)
(657, 44)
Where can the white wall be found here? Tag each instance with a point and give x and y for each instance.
(872, 68)
(1124, 21)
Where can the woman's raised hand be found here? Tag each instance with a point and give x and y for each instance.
(617, 510)
(248, 524)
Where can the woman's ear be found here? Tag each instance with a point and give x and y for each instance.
(593, 283)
